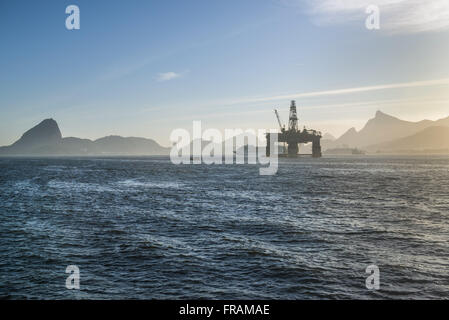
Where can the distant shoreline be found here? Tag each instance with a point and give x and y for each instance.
(118, 156)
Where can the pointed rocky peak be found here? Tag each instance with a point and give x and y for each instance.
(351, 132)
(328, 136)
(380, 120)
(381, 116)
(45, 133)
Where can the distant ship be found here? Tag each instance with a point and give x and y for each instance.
(357, 151)
(353, 151)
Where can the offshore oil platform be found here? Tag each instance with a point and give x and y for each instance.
(293, 136)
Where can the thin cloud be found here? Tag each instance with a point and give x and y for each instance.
(415, 84)
(397, 16)
(167, 76)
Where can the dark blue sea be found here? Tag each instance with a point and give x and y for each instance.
(143, 228)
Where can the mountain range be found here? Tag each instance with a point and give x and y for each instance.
(46, 139)
(381, 134)
(385, 133)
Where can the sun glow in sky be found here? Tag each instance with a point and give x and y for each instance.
(143, 68)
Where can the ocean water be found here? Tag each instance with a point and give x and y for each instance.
(143, 228)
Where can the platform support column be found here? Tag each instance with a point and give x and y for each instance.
(316, 148)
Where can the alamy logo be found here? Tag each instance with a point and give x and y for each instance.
(72, 22)
(73, 280)
(373, 281)
(372, 22)
(208, 147)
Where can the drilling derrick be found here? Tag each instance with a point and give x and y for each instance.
(293, 136)
(293, 119)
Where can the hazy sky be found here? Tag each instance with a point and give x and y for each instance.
(143, 68)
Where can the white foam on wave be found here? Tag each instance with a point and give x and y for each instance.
(80, 186)
(54, 168)
(133, 183)
(247, 195)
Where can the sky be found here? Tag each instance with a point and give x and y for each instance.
(143, 68)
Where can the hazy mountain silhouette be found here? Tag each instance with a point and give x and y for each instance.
(131, 145)
(248, 146)
(383, 133)
(429, 139)
(46, 139)
(328, 136)
(45, 133)
(383, 128)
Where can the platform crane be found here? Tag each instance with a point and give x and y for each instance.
(279, 121)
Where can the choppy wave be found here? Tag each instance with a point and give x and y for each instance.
(144, 228)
